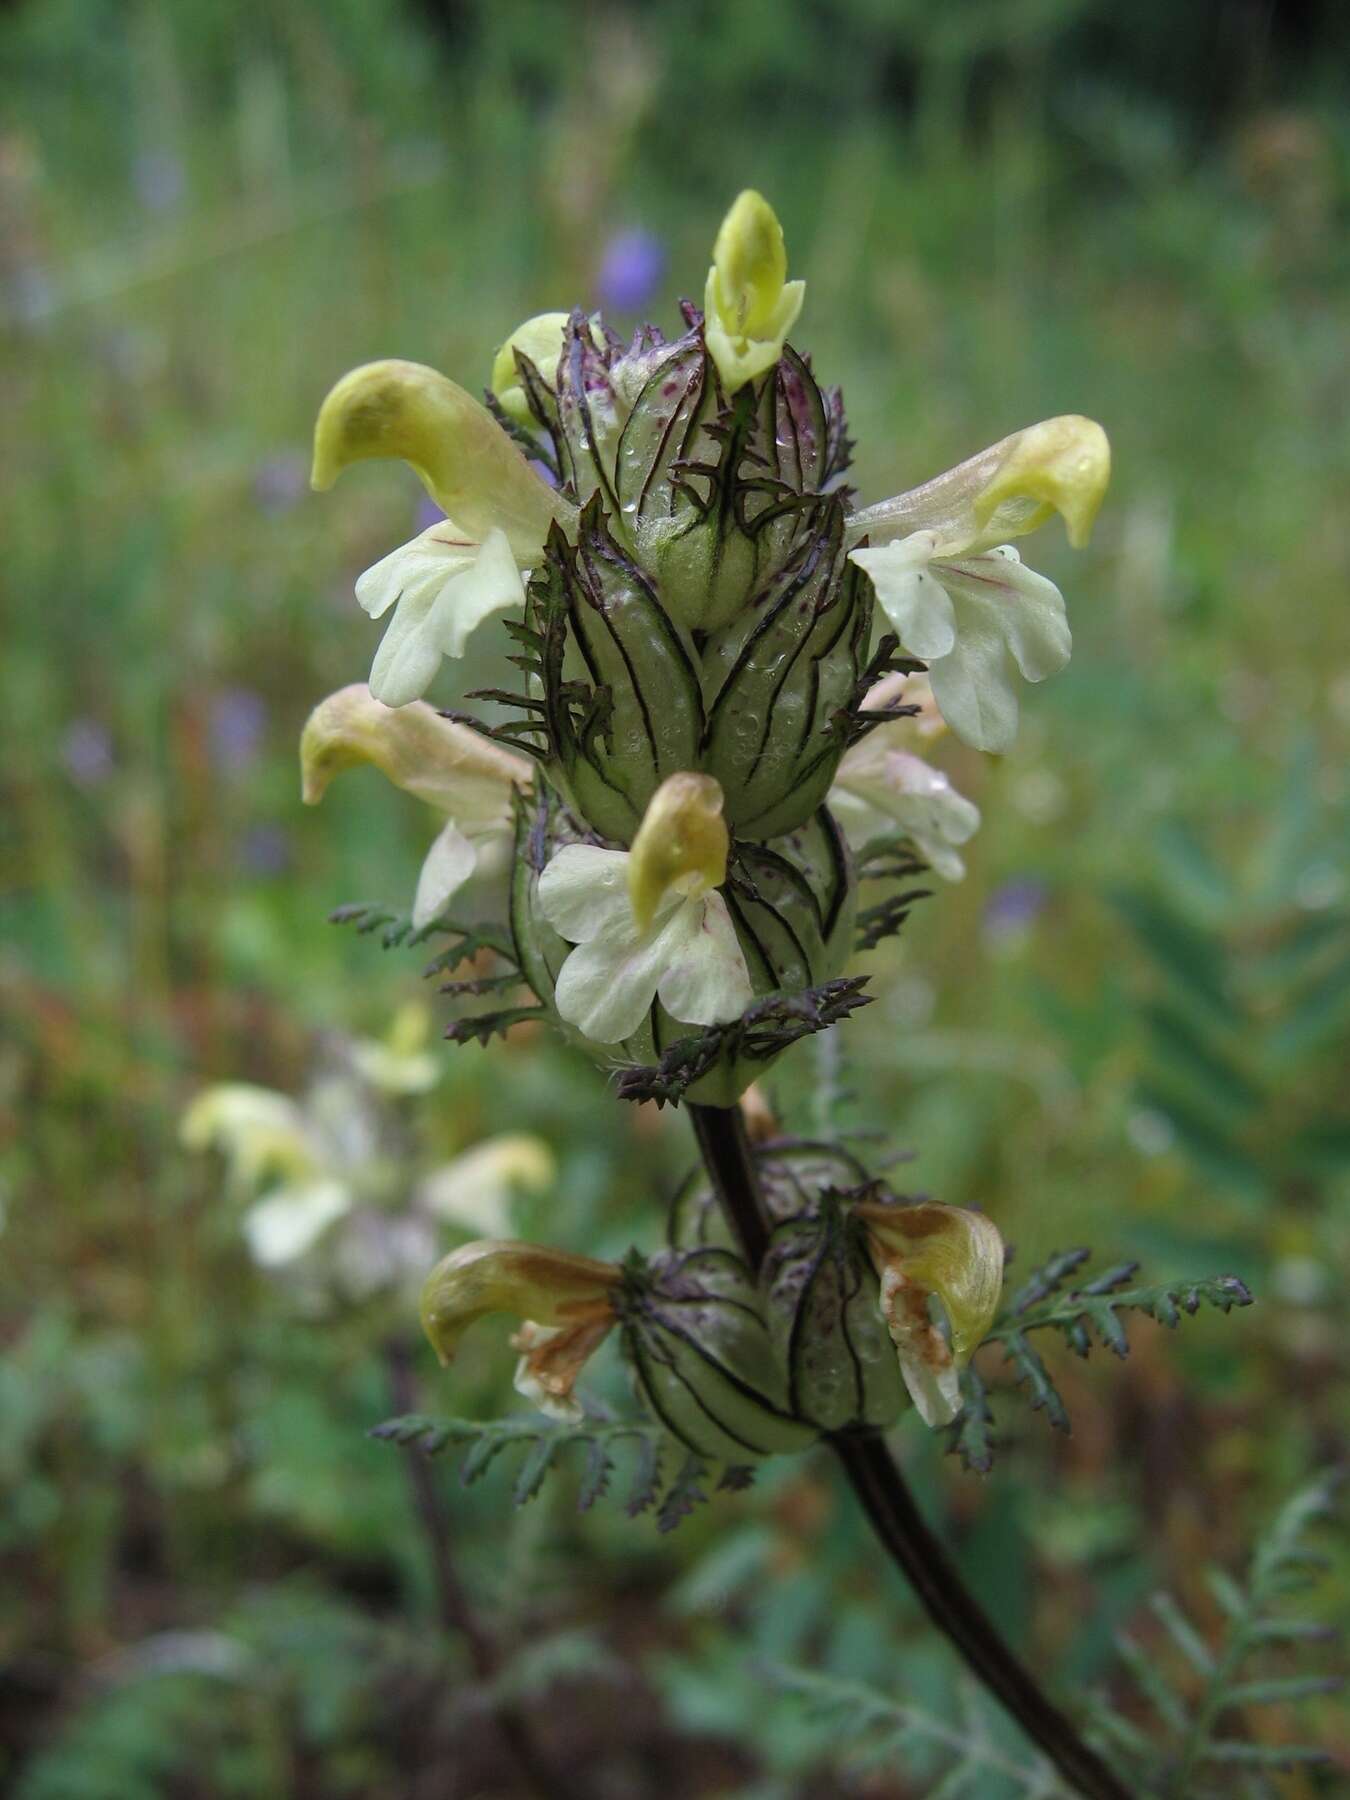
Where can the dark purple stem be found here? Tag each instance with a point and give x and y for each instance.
(884, 1495)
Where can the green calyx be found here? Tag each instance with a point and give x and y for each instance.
(702, 1358)
(693, 610)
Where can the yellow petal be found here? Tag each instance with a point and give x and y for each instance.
(465, 460)
(550, 1287)
(749, 304)
(1063, 465)
(682, 840)
(540, 339)
(942, 1250)
(453, 768)
(1060, 466)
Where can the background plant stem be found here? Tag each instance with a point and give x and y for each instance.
(456, 1610)
(882, 1492)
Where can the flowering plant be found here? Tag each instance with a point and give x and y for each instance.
(729, 683)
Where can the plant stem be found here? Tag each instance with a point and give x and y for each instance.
(884, 1495)
(456, 1610)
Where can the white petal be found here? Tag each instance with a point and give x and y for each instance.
(526, 1380)
(449, 864)
(705, 981)
(976, 687)
(422, 566)
(444, 587)
(1028, 608)
(607, 985)
(916, 604)
(406, 662)
(926, 1363)
(936, 1393)
(491, 585)
(584, 892)
(289, 1221)
(1008, 618)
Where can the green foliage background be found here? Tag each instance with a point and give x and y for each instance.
(1130, 1026)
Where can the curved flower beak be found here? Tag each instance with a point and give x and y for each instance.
(682, 843)
(465, 776)
(1062, 465)
(565, 1303)
(451, 767)
(945, 1252)
(465, 460)
(749, 304)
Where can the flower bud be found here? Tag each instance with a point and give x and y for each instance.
(750, 306)
(778, 725)
(540, 339)
(682, 842)
(820, 1295)
(464, 459)
(702, 1358)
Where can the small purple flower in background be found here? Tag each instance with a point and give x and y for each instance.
(1013, 909)
(87, 752)
(428, 514)
(280, 481)
(236, 723)
(158, 178)
(265, 850)
(631, 270)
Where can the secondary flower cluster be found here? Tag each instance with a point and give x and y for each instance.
(727, 682)
(835, 1332)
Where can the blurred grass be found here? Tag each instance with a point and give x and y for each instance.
(1001, 213)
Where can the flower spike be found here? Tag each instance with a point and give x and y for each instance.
(749, 304)
(464, 459)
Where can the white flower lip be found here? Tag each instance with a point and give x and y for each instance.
(689, 956)
(977, 621)
(442, 586)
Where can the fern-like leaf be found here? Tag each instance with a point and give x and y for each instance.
(1205, 1736)
(877, 1728)
(1091, 1312)
(541, 1446)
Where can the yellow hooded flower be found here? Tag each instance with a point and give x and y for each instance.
(565, 1303)
(749, 304)
(931, 1251)
(960, 597)
(465, 776)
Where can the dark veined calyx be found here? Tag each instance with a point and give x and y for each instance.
(702, 1358)
(821, 1297)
